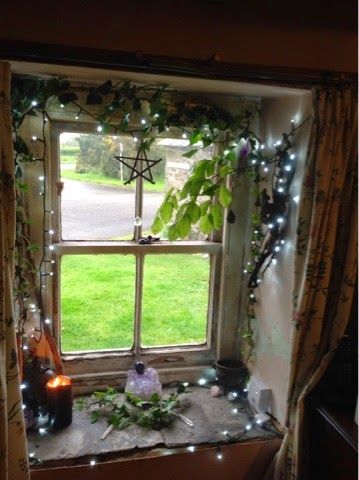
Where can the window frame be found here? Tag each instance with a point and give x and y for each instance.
(87, 366)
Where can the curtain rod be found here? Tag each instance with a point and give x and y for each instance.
(211, 68)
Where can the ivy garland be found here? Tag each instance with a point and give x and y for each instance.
(205, 196)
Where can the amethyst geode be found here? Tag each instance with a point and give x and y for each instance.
(143, 382)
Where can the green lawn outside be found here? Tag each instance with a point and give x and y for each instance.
(103, 180)
(97, 301)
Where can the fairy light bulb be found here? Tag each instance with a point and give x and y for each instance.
(270, 225)
(184, 135)
(92, 463)
(219, 454)
(275, 261)
(41, 178)
(62, 105)
(34, 138)
(47, 321)
(296, 198)
(280, 220)
(288, 168)
(280, 189)
(135, 139)
(99, 128)
(202, 381)
(277, 248)
(34, 103)
(248, 427)
(191, 448)
(292, 156)
(143, 121)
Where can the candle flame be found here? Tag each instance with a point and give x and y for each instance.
(59, 380)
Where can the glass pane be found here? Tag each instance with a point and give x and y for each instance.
(97, 302)
(171, 172)
(95, 203)
(175, 299)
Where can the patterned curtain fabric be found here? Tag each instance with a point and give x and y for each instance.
(326, 260)
(13, 448)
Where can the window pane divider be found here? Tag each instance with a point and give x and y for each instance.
(78, 248)
(138, 304)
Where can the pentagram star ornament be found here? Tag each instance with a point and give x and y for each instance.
(136, 171)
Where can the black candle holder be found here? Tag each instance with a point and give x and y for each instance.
(59, 400)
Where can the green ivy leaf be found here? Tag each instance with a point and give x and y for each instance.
(207, 141)
(206, 225)
(105, 88)
(225, 170)
(195, 137)
(217, 216)
(184, 226)
(225, 196)
(166, 211)
(194, 212)
(204, 207)
(190, 153)
(172, 232)
(157, 225)
(95, 415)
(67, 97)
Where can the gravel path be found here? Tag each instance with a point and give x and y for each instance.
(91, 211)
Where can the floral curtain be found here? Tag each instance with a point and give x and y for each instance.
(326, 260)
(13, 449)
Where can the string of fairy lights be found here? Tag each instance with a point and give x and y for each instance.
(258, 420)
(277, 170)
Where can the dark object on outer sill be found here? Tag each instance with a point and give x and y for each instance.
(148, 240)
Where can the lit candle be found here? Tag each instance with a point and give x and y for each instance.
(59, 397)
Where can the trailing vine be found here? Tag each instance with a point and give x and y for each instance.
(146, 112)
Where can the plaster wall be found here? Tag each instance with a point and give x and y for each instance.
(317, 35)
(274, 308)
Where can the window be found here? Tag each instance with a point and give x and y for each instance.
(114, 297)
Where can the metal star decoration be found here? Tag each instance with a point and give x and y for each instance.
(135, 170)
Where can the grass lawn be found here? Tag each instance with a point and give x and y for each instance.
(97, 300)
(103, 180)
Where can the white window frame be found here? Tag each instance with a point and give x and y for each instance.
(98, 368)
